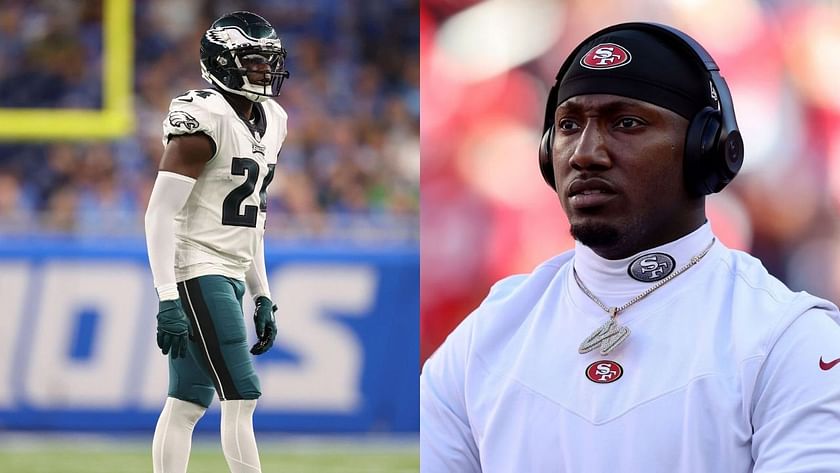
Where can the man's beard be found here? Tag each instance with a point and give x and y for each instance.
(597, 235)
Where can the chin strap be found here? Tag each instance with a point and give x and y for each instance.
(255, 97)
(250, 95)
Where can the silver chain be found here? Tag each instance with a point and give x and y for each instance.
(615, 310)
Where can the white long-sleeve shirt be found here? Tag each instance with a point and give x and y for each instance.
(725, 370)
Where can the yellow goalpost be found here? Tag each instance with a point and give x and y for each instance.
(114, 119)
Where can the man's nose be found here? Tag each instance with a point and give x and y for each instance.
(591, 149)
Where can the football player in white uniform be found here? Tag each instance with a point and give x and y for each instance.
(650, 347)
(204, 231)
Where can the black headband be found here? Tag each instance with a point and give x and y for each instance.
(641, 65)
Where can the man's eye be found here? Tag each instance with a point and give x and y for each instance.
(629, 122)
(567, 125)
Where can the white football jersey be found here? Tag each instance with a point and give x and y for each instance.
(220, 227)
(725, 370)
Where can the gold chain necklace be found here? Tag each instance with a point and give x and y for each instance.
(610, 335)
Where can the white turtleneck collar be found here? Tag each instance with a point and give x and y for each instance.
(610, 280)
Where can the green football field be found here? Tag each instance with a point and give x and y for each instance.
(294, 455)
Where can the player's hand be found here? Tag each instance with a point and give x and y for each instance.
(173, 328)
(264, 323)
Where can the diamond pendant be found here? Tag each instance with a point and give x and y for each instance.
(608, 336)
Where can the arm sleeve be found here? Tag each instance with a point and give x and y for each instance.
(796, 402)
(256, 278)
(446, 438)
(169, 195)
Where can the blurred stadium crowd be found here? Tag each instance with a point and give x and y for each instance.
(349, 168)
(486, 69)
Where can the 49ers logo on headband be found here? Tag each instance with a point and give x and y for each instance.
(606, 56)
(604, 371)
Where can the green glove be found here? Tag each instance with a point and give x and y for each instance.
(173, 328)
(264, 323)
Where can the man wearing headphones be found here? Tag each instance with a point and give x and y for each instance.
(649, 347)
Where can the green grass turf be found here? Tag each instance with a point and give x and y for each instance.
(47, 456)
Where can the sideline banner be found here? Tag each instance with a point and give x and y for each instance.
(78, 352)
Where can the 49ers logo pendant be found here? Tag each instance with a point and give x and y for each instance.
(651, 267)
(604, 371)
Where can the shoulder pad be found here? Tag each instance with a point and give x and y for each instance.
(277, 117)
(276, 109)
(197, 111)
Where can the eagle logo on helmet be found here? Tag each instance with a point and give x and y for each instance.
(232, 37)
(181, 119)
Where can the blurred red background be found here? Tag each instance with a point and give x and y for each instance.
(485, 70)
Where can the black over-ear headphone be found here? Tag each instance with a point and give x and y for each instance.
(714, 150)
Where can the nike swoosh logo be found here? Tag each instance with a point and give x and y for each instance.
(827, 366)
(186, 100)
